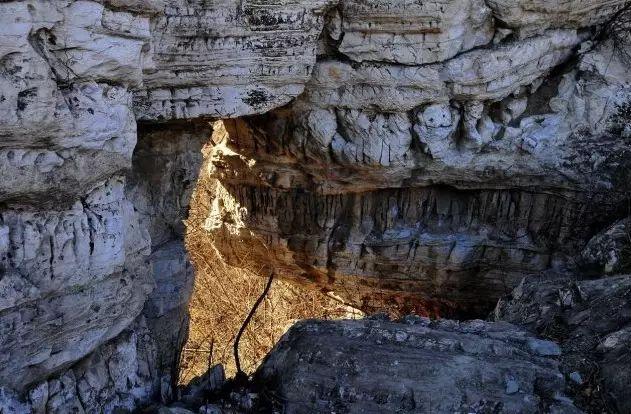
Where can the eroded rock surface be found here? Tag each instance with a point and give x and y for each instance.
(117, 377)
(591, 320)
(447, 181)
(83, 241)
(409, 32)
(610, 250)
(430, 153)
(373, 366)
(229, 58)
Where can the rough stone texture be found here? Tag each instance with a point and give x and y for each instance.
(228, 58)
(83, 241)
(371, 366)
(71, 280)
(486, 74)
(534, 15)
(451, 199)
(591, 319)
(430, 153)
(73, 272)
(166, 164)
(117, 377)
(609, 251)
(409, 32)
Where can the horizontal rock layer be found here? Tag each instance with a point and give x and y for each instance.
(370, 366)
(482, 106)
(449, 201)
(456, 248)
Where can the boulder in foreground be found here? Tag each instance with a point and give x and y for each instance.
(413, 366)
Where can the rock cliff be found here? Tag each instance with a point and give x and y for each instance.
(424, 166)
(415, 155)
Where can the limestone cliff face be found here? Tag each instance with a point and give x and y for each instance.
(431, 166)
(430, 152)
(92, 202)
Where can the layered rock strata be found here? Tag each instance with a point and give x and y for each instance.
(369, 366)
(432, 153)
(443, 183)
(228, 58)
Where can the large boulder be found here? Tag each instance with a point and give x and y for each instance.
(377, 366)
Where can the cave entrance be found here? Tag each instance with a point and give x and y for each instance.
(229, 282)
(175, 197)
(222, 218)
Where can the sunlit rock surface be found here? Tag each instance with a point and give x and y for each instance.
(428, 154)
(408, 32)
(229, 58)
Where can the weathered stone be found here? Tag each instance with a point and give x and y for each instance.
(591, 319)
(197, 390)
(370, 366)
(166, 163)
(411, 203)
(536, 15)
(409, 32)
(71, 281)
(118, 376)
(610, 250)
(440, 159)
(497, 73)
(228, 59)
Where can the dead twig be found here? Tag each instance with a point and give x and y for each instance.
(240, 373)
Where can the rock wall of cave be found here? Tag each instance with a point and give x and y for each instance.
(426, 153)
(441, 151)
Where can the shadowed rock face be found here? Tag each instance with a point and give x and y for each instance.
(591, 320)
(370, 366)
(427, 154)
(447, 251)
(437, 207)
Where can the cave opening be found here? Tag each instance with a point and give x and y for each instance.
(217, 234)
(227, 203)
(229, 281)
(201, 297)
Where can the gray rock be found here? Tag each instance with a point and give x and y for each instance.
(530, 16)
(423, 156)
(591, 320)
(249, 59)
(412, 33)
(166, 163)
(576, 377)
(610, 250)
(210, 409)
(174, 410)
(366, 366)
(445, 182)
(543, 348)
